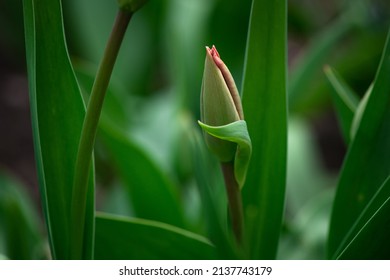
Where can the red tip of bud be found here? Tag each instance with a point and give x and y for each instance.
(215, 55)
(214, 51)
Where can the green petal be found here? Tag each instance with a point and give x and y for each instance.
(236, 132)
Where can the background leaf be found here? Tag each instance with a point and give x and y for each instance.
(121, 238)
(304, 236)
(57, 114)
(367, 163)
(150, 192)
(359, 112)
(309, 197)
(264, 103)
(306, 68)
(345, 101)
(20, 232)
(152, 195)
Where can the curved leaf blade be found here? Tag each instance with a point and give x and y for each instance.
(236, 132)
(367, 163)
(120, 238)
(57, 115)
(359, 113)
(264, 104)
(345, 101)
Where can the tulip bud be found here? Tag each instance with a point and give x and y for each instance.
(225, 132)
(220, 103)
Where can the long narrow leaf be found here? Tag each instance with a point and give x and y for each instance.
(134, 239)
(367, 164)
(345, 100)
(264, 102)
(57, 115)
(359, 113)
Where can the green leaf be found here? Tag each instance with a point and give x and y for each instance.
(236, 132)
(359, 113)
(121, 238)
(318, 50)
(345, 100)
(369, 237)
(264, 103)
(152, 194)
(367, 163)
(57, 115)
(19, 222)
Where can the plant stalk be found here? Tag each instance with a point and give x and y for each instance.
(234, 202)
(88, 133)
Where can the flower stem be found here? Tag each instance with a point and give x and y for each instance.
(234, 201)
(88, 133)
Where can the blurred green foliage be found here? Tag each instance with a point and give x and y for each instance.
(153, 101)
(21, 234)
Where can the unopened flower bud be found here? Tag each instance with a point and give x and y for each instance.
(220, 103)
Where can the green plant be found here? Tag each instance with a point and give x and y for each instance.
(158, 224)
(362, 196)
